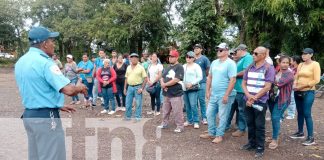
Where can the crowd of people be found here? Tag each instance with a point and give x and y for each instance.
(236, 82)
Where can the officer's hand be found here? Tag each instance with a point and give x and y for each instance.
(68, 108)
(83, 89)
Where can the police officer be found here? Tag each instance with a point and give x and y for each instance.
(42, 87)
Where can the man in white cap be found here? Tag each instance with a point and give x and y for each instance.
(219, 90)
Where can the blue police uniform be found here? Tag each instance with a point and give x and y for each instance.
(39, 81)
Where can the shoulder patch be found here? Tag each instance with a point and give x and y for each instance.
(55, 69)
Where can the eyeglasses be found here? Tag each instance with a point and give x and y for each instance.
(171, 56)
(189, 57)
(255, 53)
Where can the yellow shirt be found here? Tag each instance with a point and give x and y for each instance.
(308, 74)
(135, 76)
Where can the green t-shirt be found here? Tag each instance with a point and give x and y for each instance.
(241, 65)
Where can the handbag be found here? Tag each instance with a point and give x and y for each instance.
(151, 89)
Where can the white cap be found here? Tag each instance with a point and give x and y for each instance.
(69, 56)
(222, 46)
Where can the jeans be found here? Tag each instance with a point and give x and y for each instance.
(202, 100)
(216, 106)
(190, 99)
(95, 91)
(304, 111)
(108, 95)
(89, 86)
(161, 96)
(275, 118)
(292, 106)
(241, 107)
(155, 98)
(120, 93)
(132, 93)
(256, 125)
(74, 81)
(175, 104)
(234, 108)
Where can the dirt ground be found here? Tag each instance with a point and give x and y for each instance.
(159, 145)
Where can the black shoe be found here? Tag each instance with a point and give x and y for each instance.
(248, 147)
(94, 104)
(102, 104)
(309, 141)
(259, 152)
(297, 135)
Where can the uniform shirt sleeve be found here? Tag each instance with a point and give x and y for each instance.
(54, 76)
(127, 71)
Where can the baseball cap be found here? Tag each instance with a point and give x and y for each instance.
(222, 46)
(240, 47)
(40, 34)
(198, 46)
(134, 55)
(190, 54)
(308, 51)
(174, 53)
(69, 56)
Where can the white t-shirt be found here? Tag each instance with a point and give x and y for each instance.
(153, 71)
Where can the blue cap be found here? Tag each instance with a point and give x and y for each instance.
(308, 51)
(40, 34)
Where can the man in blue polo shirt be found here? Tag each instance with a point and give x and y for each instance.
(42, 87)
(98, 63)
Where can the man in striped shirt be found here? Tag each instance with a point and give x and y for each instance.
(256, 83)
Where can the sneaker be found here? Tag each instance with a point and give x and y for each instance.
(218, 139)
(111, 112)
(297, 135)
(238, 133)
(178, 130)
(157, 113)
(248, 147)
(290, 117)
(273, 144)
(309, 141)
(149, 112)
(103, 111)
(94, 105)
(78, 102)
(259, 153)
(162, 126)
(204, 121)
(186, 124)
(207, 136)
(123, 109)
(196, 125)
(73, 102)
